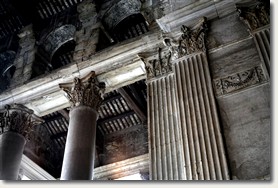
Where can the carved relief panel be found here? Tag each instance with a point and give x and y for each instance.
(238, 81)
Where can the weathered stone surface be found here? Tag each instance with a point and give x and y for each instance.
(43, 151)
(225, 30)
(239, 81)
(130, 143)
(25, 57)
(234, 58)
(246, 125)
(119, 11)
(134, 165)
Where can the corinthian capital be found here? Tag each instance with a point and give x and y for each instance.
(86, 91)
(18, 118)
(255, 15)
(191, 41)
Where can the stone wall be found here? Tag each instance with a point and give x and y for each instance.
(126, 144)
(43, 151)
(25, 57)
(242, 91)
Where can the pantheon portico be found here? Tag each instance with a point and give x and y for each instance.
(167, 90)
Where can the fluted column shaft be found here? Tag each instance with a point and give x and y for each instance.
(199, 118)
(262, 40)
(165, 143)
(85, 96)
(184, 129)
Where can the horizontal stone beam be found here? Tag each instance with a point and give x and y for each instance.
(117, 66)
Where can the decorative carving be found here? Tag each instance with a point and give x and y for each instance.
(191, 40)
(119, 11)
(255, 16)
(158, 66)
(86, 91)
(18, 118)
(239, 81)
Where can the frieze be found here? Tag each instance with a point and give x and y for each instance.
(18, 118)
(239, 81)
(86, 91)
(191, 40)
(255, 16)
(158, 65)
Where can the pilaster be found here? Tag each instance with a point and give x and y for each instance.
(165, 144)
(257, 19)
(204, 153)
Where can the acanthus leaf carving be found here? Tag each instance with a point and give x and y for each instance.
(159, 65)
(255, 16)
(18, 118)
(191, 41)
(86, 91)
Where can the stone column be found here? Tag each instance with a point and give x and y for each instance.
(85, 96)
(165, 144)
(16, 121)
(256, 17)
(204, 153)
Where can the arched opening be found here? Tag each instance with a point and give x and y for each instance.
(63, 55)
(130, 27)
(56, 49)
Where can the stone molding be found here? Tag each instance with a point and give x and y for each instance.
(18, 118)
(239, 81)
(86, 91)
(33, 171)
(192, 40)
(139, 164)
(255, 16)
